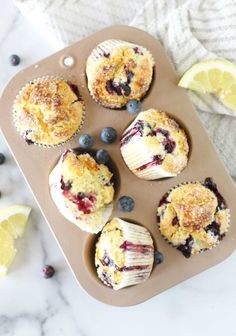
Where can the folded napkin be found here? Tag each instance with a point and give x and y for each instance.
(65, 21)
(190, 31)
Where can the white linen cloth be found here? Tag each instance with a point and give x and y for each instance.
(190, 30)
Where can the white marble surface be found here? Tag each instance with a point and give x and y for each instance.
(33, 306)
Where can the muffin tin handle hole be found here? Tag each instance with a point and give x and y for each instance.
(67, 61)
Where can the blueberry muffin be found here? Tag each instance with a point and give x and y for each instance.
(193, 217)
(48, 111)
(82, 190)
(154, 146)
(118, 71)
(124, 254)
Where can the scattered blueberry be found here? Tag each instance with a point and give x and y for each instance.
(125, 204)
(102, 156)
(48, 271)
(14, 60)
(2, 158)
(158, 258)
(108, 135)
(133, 106)
(86, 141)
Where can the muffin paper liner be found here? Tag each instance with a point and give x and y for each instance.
(136, 155)
(98, 53)
(176, 247)
(38, 79)
(135, 234)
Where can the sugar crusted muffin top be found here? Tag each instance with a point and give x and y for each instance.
(118, 71)
(193, 217)
(48, 111)
(194, 205)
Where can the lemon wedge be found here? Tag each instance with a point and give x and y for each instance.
(7, 251)
(13, 220)
(213, 76)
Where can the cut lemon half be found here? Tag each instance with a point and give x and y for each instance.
(213, 76)
(13, 220)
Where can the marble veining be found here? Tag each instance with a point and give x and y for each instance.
(33, 306)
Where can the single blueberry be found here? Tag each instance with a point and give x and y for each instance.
(86, 141)
(108, 135)
(14, 60)
(2, 158)
(158, 257)
(102, 156)
(133, 106)
(125, 204)
(48, 271)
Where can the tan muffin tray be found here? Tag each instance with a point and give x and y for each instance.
(36, 164)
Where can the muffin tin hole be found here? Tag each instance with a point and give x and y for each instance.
(68, 61)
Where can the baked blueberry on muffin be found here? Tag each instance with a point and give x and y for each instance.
(118, 71)
(154, 146)
(82, 190)
(193, 217)
(48, 111)
(124, 254)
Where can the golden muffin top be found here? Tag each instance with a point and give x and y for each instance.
(118, 71)
(85, 183)
(194, 204)
(161, 137)
(193, 217)
(48, 112)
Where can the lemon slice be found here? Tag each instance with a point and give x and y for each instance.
(7, 251)
(13, 219)
(213, 76)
